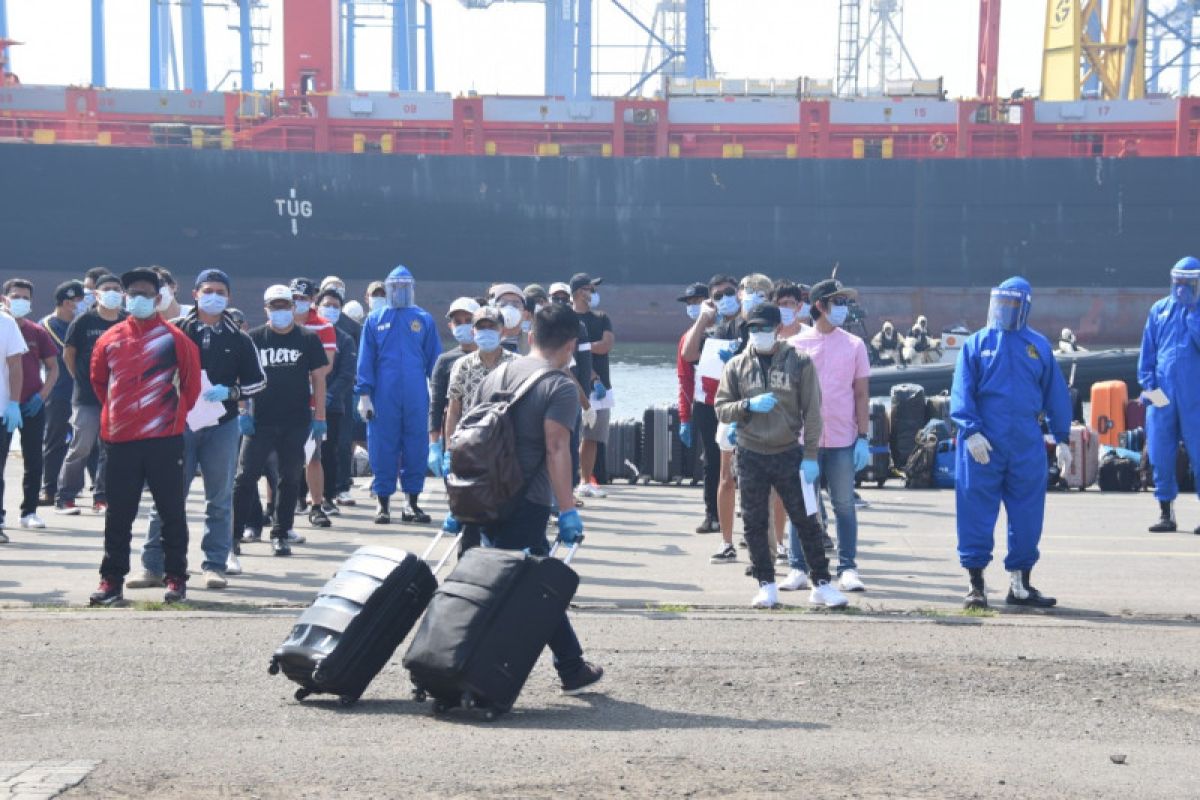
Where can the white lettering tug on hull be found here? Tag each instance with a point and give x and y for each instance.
(294, 209)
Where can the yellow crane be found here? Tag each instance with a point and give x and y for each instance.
(1101, 43)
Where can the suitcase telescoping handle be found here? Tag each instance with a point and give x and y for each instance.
(446, 555)
(570, 551)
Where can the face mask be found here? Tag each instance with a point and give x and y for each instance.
(526, 325)
(89, 300)
(727, 305)
(110, 299)
(212, 303)
(165, 297)
(787, 315)
(281, 318)
(763, 342)
(378, 303)
(752, 301)
(141, 307)
(838, 314)
(512, 316)
(693, 311)
(463, 334)
(303, 306)
(330, 314)
(539, 307)
(594, 300)
(488, 340)
(19, 307)
(805, 311)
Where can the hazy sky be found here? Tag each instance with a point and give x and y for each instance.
(499, 50)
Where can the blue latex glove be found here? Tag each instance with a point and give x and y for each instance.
(12, 416)
(862, 455)
(762, 403)
(570, 527)
(451, 525)
(434, 460)
(217, 394)
(732, 435)
(599, 390)
(319, 428)
(33, 405)
(246, 425)
(810, 470)
(727, 353)
(446, 463)
(685, 434)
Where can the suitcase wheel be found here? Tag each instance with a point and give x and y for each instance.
(467, 701)
(301, 694)
(419, 695)
(490, 715)
(274, 668)
(345, 701)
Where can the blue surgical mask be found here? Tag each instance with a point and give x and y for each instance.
(787, 315)
(463, 334)
(838, 314)
(487, 339)
(751, 301)
(19, 307)
(141, 307)
(303, 306)
(594, 300)
(281, 318)
(110, 299)
(329, 313)
(526, 325)
(693, 310)
(728, 305)
(89, 300)
(212, 303)
(805, 311)
(378, 304)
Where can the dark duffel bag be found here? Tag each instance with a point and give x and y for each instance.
(486, 626)
(1118, 474)
(342, 641)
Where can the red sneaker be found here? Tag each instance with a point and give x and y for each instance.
(176, 589)
(99, 507)
(109, 593)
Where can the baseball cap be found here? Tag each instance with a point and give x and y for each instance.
(140, 274)
(462, 304)
(68, 290)
(212, 276)
(373, 287)
(757, 282)
(328, 279)
(582, 279)
(501, 289)
(555, 288)
(488, 313)
(106, 278)
(306, 287)
(694, 291)
(277, 292)
(830, 287)
(766, 314)
(535, 289)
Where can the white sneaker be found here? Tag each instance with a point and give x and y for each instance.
(795, 581)
(584, 490)
(233, 565)
(32, 521)
(826, 594)
(344, 499)
(214, 579)
(767, 597)
(849, 581)
(295, 538)
(145, 580)
(597, 491)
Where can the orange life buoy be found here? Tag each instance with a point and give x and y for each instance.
(937, 142)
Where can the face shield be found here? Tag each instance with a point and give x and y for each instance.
(1009, 309)
(400, 292)
(1185, 286)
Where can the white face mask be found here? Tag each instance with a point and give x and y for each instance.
(165, 298)
(594, 301)
(378, 303)
(511, 315)
(763, 342)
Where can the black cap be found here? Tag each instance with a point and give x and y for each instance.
(140, 274)
(694, 291)
(766, 314)
(212, 276)
(108, 277)
(582, 279)
(719, 278)
(68, 290)
(305, 287)
(830, 287)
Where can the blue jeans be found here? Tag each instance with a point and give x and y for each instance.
(215, 449)
(525, 529)
(837, 468)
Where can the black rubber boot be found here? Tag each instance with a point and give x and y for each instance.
(413, 513)
(1166, 520)
(1022, 593)
(383, 516)
(710, 525)
(976, 591)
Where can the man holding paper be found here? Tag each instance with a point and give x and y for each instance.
(231, 373)
(1169, 372)
(770, 393)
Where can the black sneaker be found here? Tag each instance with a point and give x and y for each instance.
(1164, 525)
(1022, 593)
(176, 589)
(726, 555)
(976, 598)
(109, 593)
(317, 518)
(413, 513)
(330, 509)
(383, 518)
(584, 680)
(710, 525)
(280, 547)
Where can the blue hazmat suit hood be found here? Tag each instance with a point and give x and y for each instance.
(400, 289)
(1009, 308)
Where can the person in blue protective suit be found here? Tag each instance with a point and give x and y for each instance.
(1170, 362)
(1005, 379)
(395, 359)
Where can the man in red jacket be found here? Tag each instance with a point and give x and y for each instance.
(146, 374)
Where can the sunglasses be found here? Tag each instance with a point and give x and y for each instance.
(729, 291)
(838, 301)
(761, 328)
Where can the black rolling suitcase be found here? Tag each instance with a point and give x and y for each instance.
(938, 407)
(907, 419)
(486, 627)
(662, 449)
(624, 450)
(342, 641)
(879, 439)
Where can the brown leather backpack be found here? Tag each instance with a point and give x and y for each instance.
(485, 480)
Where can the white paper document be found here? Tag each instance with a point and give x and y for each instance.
(205, 413)
(310, 447)
(711, 365)
(1158, 397)
(609, 401)
(810, 496)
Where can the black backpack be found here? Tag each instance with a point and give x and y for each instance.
(485, 480)
(1118, 474)
(918, 470)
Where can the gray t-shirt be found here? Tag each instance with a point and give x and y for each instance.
(553, 398)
